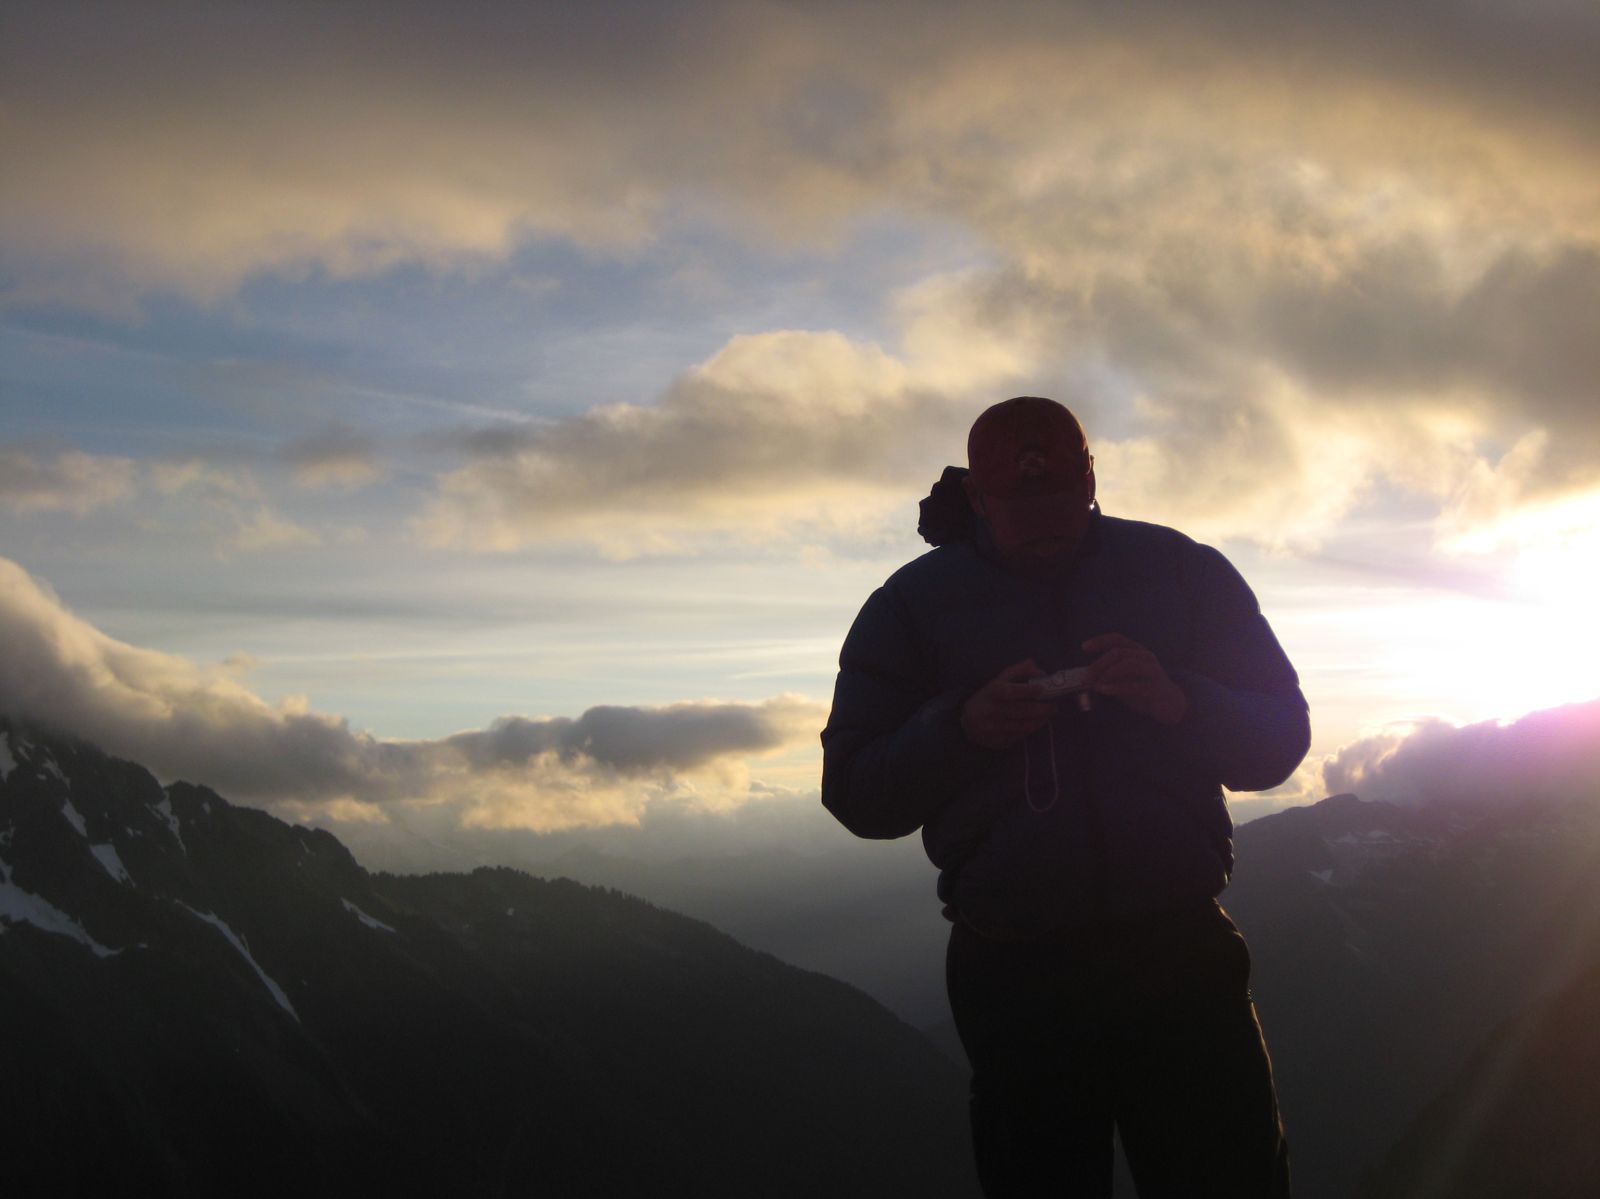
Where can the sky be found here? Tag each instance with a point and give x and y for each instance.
(491, 419)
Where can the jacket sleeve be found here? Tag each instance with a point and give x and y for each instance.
(1248, 723)
(893, 751)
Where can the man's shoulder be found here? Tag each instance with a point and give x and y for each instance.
(933, 581)
(1118, 534)
(937, 567)
(1157, 551)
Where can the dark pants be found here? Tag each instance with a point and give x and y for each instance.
(1145, 1026)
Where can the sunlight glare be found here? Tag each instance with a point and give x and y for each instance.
(1550, 651)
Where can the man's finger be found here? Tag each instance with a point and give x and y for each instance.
(1124, 668)
(1016, 693)
(1107, 641)
(1019, 672)
(1115, 661)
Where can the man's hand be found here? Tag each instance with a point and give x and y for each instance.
(1126, 670)
(1007, 708)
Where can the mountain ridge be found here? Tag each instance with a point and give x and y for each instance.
(216, 1000)
(1416, 964)
(1390, 941)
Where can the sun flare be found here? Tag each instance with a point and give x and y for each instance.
(1542, 646)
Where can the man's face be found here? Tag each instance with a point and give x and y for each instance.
(1031, 478)
(1038, 522)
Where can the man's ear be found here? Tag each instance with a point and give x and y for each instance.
(1089, 483)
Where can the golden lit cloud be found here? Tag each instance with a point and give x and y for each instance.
(776, 434)
(198, 723)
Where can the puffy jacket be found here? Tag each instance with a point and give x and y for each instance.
(1104, 813)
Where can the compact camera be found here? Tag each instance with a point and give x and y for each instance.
(1072, 680)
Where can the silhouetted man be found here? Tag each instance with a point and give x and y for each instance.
(1056, 698)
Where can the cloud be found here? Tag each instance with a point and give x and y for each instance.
(313, 152)
(787, 825)
(631, 742)
(1282, 257)
(263, 529)
(1283, 265)
(465, 137)
(225, 502)
(1268, 400)
(229, 504)
(70, 482)
(213, 483)
(776, 432)
(338, 456)
(1551, 754)
(1267, 410)
(186, 721)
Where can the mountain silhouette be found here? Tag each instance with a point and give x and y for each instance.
(201, 999)
(1520, 1118)
(207, 1000)
(1390, 943)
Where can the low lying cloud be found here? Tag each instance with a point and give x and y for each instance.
(1552, 754)
(186, 721)
(631, 742)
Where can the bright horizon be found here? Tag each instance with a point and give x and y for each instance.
(503, 417)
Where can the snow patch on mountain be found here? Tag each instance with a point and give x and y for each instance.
(106, 854)
(369, 921)
(49, 767)
(237, 942)
(164, 810)
(24, 907)
(1370, 837)
(74, 817)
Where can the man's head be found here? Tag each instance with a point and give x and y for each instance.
(1031, 477)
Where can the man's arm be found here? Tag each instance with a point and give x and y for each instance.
(1247, 719)
(893, 752)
